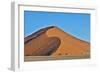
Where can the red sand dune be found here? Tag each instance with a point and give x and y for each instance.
(52, 41)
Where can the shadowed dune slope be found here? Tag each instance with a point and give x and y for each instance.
(52, 41)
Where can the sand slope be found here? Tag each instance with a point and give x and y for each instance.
(52, 41)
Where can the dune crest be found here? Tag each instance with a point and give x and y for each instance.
(53, 41)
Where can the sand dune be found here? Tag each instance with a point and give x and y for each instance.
(52, 41)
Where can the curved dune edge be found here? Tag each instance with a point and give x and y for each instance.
(69, 47)
(39, 44)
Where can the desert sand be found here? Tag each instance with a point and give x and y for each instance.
(53, 42)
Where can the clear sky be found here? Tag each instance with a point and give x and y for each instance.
(76, 24)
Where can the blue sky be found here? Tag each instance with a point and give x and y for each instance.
(76, 24)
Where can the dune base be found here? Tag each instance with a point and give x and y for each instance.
(46, 58)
